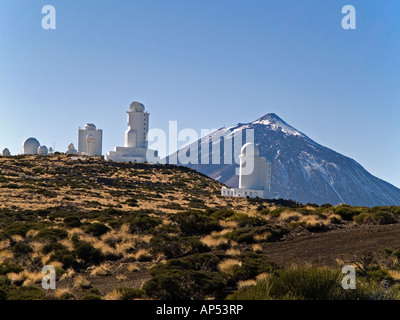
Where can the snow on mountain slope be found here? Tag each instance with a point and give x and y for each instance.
(302, 169)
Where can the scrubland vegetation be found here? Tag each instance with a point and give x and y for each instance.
(137, 231)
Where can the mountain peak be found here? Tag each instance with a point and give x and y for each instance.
(270, 116)
(274, 122)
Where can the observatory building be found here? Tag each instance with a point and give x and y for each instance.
(43, 151)
(31, 146)
(254, 175)
(71, 150)
(90, 140)
(135, 148)
(6, 153)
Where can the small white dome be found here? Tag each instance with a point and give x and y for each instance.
(137, 107)
(90, 138)
(71, 149)
(31, 146)
(42, 150)
(90, 126)
(249, 150)
(6, 153)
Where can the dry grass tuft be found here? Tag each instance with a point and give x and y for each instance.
(212, 241)
(121, 277)
(101, 270)
(68, 275)
(132, 267)
(62, 292)
(32, 278)
(143, 255)
(5, 244)
(228, 224)
(81, 282)
(233, 252)
(5, 255)
(246, 283)
(257, 248)
(228, 265)
(262, 237)
(395, 274)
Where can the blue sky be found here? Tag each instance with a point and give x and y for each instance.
(205, 64)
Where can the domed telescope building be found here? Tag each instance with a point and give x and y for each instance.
(136, 145)
(31, 146)
(6, 153)
(90, 140)
(43, 151)
(254, 175)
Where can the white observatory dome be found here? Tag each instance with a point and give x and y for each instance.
(31, 146)
(71, 149)
(42, 150)
(137, 107)
(249, 150)
(90, 138)
(51, 150)
(6, 153)
(90, 126)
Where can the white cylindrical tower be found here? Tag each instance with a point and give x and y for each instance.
(255, 171)
(90, 145)
(138, 126)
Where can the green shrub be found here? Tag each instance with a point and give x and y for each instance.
(17, 228)
(197, 203)
(53, 247)
(301, 283)
(97, 229)
(276, 212)
(196, 223)
(220, 214)
(247, 235)
(66, 257)
(51, 234)
(85, 251)
(72, 222)
(194, 277)
(175, 247)
(7, 267)
(26, 293)
(346, 212)
(244, 221)
(132, 202)
(143, 223)
(380, 217)
(316, 227)
(252, 265)
(130, 293)
(21, 249)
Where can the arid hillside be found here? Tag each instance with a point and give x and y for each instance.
(141, 231)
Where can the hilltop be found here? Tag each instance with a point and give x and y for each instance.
(133, 231)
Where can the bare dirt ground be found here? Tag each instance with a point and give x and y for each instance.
(328, 248)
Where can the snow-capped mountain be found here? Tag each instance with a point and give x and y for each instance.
(302, 169)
